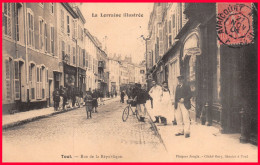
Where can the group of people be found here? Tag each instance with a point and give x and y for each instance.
(64, 96)
(166, 107)
(139, 96)
(163, 105)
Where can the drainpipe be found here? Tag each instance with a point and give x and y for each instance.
(26, 52)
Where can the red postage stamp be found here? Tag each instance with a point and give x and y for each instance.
(234, 24)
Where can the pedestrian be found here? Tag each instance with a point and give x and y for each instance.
(141, 96)
(63, 93)
(182, 106)
(166, 104)
(94, 102)
(73, 96)
(156, 94)
(101, 96)
(56, 98)
(88, 103)
(122, 96)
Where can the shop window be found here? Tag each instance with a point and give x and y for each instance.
(7, 19)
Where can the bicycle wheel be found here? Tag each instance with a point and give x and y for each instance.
(125, 114)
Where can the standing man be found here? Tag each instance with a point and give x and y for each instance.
(122, 96)
(156, 93)
(95, 98)
(182, 105)
(56, 99)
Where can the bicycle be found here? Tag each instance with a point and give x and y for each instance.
(131, 103)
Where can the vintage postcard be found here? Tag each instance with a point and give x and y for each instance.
(129, 82)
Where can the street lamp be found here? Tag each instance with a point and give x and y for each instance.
(146, 55)
(146, 39)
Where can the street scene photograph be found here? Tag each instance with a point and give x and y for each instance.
(129, 82)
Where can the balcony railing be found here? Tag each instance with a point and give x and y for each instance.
(101, 64)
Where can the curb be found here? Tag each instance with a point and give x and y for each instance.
(21, 122)
(156, 131)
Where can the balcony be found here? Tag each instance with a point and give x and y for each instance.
(65, 58)
(101, 64)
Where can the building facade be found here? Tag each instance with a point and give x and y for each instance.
(30, 57)
(216, 73)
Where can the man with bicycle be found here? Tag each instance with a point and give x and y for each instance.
(141, 96)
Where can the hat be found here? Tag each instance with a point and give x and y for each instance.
(181, 77)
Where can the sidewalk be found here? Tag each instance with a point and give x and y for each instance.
(11, 120)
(206, 144)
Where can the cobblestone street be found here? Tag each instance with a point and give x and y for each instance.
(72, 137)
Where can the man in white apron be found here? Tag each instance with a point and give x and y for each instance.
(156, 94)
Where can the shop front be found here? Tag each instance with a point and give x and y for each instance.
(70, 75)
(82, 80)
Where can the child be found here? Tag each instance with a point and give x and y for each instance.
(88, 102)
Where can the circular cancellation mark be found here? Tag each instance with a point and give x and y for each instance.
(234, 24)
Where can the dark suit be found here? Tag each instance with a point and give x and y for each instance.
(183, 91)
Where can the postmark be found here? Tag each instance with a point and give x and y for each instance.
(234, 24)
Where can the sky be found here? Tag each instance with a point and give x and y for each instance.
(123, 34)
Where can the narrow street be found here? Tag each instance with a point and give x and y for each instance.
(71, 137)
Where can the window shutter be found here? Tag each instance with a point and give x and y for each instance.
(38, 84)
(8, 79)
(47, 85)
(16, 81)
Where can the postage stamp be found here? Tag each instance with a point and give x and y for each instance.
(234, 24)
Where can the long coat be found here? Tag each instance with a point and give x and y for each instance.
(183, 91)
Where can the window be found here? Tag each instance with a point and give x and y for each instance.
(84, 59)
(173, 21)
(45, 38)
(68, 58)
(62, 49)
(52, 40)
(41, 34)
(18, 20)
(170, 27)
(30, 29)
(62, 20)
(17, 80)
(8, 87)
(52, 8)
(32, 80)
(74, 33)
(68, 25)
(170, 40)
(74, 56)
(7, 21)
(80, 33)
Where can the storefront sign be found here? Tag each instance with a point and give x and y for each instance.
(193, 52)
